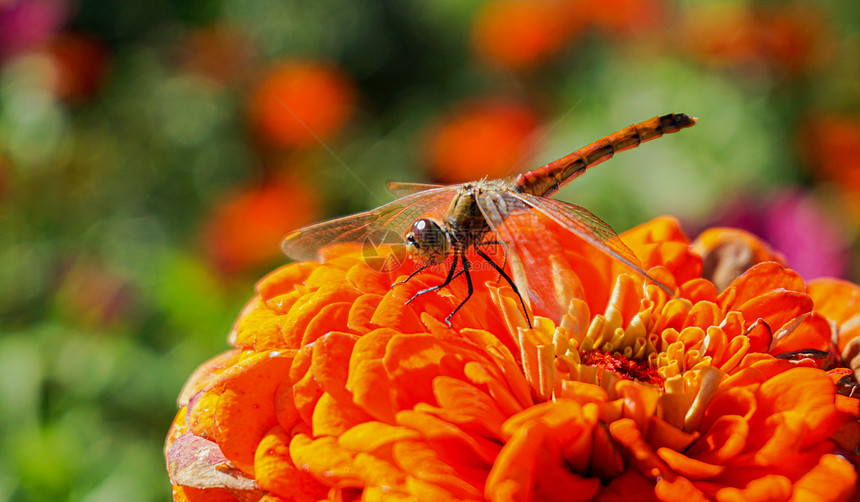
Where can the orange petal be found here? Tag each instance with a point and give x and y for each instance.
(760, 335)
(433, 428)
(644, 459)
(640, 401)
(832, 479)
(284, 279)
(332, 317)
(606, 460)
(332, 417)
(717, 346)
(295, 323)
(306, 390)
(661, 229)
(723, 440)
(738, 348)
(325, 460)
(776, 308)
(413, 361)
(630, 486)
(368, 280)
(330, 363)
(813, 333)
(372, 435)
(807, 392)
(689, 467)
(361, 313)
(285, 408)
(246, 410)
(275, 471)
(466, 405)
(326, 274)
(839, 301)
(201, 412)
(762, 489)
(663, 434)
(835, 298)
(704, 314)
(678, 489)
(393, 313)
(583, 392)
(261, 329)
(519, 466)
(207, 373)
(758, 280)
(448, 469)
(699, 290)
(368, 380)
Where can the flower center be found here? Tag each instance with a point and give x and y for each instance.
(620, 365)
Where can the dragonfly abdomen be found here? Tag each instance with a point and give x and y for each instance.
(549, 178)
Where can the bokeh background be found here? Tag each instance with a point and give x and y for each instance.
(153, 154)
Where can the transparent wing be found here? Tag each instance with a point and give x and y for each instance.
(586, 225)
(401, 189)
(513, 217)
(507, 217)
(396, 216)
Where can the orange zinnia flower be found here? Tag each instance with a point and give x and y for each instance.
(521, 34)
(79, 63)
(301, 102)
(488, 137)
(789, 38)
(338, 390)
(245, 229)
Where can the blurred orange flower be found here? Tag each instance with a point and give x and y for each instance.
(788, 38)
(622, 16)
(489, 137)
(524, 33)
(246, 228)
(79, 63)
(337, 390)
(831, 145)
(299, 101)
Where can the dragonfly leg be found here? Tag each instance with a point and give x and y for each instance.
(468, 295)
(507, 278)
(414, 273)
(437, 288)
(504, 246)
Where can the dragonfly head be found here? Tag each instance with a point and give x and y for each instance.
(429, 240)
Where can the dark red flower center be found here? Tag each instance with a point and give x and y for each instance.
(618, 364)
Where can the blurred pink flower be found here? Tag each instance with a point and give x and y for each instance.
(27, 23)
(814, 244)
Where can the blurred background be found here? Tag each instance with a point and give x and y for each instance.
(153, 154)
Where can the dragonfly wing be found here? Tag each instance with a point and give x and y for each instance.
(587, 226)
(496, 210)
(401, 189)
(396, 216)
(537, 260)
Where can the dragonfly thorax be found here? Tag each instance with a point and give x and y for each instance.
(428, 239)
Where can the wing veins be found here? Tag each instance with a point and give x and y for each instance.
(303, 244)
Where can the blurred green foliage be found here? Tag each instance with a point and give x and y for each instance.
(112, 174)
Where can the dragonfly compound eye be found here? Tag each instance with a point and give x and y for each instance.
(427, 239)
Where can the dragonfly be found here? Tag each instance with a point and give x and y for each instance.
(451, 223)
